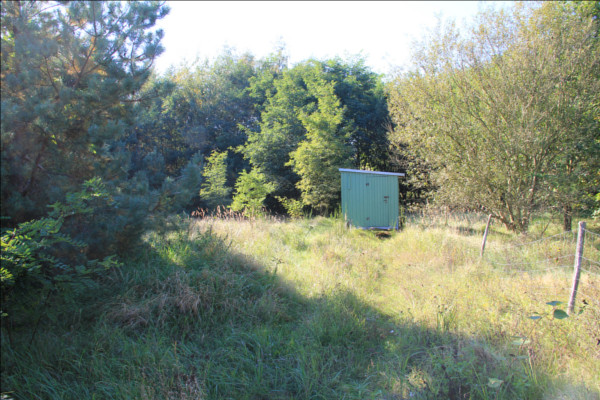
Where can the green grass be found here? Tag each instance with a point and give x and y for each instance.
(307, 309)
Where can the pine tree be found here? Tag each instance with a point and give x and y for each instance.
(70, 73)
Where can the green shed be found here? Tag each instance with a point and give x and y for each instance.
(370, 198)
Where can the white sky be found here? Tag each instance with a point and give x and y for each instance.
(382, 31)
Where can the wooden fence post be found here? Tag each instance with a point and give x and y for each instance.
(487, 227)
(577, 266)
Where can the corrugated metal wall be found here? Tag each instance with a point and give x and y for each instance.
(369, 200)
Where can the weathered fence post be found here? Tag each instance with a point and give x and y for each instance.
(487, 227)
(577, 266)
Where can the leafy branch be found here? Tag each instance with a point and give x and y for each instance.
(38, 256)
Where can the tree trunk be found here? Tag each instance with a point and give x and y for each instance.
(567, 217)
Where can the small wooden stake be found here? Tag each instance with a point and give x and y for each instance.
(577, 266)
(487, 228)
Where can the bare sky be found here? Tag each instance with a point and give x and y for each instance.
(382, 31)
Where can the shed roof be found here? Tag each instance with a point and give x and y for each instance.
(372, 172)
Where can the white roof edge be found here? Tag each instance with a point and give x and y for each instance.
(371, 172)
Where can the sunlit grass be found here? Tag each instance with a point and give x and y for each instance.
(431, 273)
(267, 308)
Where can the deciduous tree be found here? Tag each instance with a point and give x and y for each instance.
(215, 191)
(294, 139)
(325, 149)
(501, 112)
(251, 190)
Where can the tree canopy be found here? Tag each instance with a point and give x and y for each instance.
(502, 117)
(320, 113)
(505, 114)
(70, 73)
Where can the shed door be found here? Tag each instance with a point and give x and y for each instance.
(378, 201)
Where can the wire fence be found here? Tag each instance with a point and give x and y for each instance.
(552, 264)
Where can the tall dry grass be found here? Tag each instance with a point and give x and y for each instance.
(431, 274)
(223, 306)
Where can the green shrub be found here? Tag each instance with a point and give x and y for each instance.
(294, 208)
(38, 258)
(214, 190)
(251, 189)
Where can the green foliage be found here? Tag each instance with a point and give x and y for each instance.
(596, 213)
(557, 313)
(417, 188)
(317, 159)
(214, 190)
(346, 94)
(183, 191)
(499, 118)
(366, 115)
(38, 257)
(280, 130)
(70, 73)
(293, 207)
(262, 85)
(197, 108)
(251, 190)
(153, 164)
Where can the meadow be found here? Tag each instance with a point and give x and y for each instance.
(267, 308)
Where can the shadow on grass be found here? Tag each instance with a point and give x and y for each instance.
(187, 318)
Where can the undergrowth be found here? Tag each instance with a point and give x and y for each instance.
(219, 308)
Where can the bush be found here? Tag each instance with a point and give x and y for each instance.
(294, 208)
(39, 259)
(252, 189)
